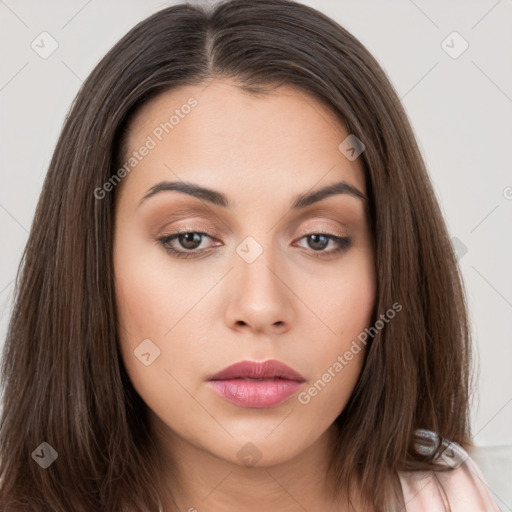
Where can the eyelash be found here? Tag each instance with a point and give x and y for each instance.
(344, 243)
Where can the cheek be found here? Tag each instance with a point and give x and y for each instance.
(160, 305)
(344, 303)
(151, 297)
(336, 361)
(326, 396)
(343, 298)
(146, 313)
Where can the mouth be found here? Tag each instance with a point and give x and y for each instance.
(256, 384)
(256, 370)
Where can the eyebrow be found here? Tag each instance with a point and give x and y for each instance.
(220, 199)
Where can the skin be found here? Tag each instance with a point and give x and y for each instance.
(209, 311)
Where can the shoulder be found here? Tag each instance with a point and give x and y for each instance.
(462, 488)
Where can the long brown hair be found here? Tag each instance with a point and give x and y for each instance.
(63, 380)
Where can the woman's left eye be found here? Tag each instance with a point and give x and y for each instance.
(319, 241)
(190, 242)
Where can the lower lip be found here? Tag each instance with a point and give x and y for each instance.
(255, 393)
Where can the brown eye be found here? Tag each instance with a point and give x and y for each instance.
(317, 242)
(190, 240)
(184, 243)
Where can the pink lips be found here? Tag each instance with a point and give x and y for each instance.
(256, 384)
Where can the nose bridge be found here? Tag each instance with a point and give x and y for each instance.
(256, 266)
(260, 299)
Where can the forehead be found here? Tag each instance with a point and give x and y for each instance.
(222, 134)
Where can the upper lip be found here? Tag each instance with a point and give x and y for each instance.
(258, 370)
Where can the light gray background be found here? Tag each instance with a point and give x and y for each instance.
(460, 108)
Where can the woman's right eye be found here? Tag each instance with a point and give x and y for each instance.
(189, 241)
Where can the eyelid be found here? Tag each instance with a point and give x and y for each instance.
(214, 233)
(335, 231)
(194, 229)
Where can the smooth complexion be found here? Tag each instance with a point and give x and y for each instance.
(300, 301)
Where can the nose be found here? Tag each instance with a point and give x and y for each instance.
(260, 300)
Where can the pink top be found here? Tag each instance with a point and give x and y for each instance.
(465, 489)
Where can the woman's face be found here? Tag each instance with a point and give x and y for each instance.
(257, 277)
